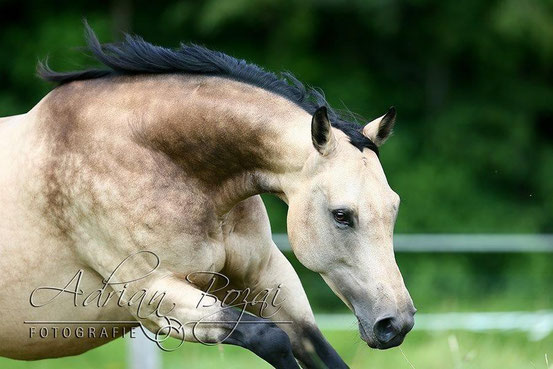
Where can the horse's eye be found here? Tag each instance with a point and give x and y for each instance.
(343, 217)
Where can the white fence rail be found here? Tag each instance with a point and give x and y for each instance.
(537, 324)
(456, 243)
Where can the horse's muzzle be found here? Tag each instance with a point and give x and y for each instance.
(387, 331)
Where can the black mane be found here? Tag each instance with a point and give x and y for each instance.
(136, 56)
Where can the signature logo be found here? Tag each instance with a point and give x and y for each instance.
(157, 313)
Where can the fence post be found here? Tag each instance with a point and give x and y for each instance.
(142, 353)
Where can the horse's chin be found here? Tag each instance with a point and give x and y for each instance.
(370, 343)
(365, 335)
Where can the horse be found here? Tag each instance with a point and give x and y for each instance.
(142, 178)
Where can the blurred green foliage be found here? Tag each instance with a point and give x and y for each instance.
(473, 151)
(472, 82)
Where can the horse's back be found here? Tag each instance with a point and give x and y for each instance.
(19, 160)
(10, 118)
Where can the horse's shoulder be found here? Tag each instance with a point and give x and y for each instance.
(249, 217)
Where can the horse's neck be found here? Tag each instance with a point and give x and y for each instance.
(238, 140)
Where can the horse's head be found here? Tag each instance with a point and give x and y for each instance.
(341, 221)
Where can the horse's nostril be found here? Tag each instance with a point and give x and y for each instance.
(385, 330)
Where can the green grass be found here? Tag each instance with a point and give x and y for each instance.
(456, 350)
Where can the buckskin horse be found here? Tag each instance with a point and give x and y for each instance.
(164, 152)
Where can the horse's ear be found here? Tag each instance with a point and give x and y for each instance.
(381, 128)
(321, 132)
